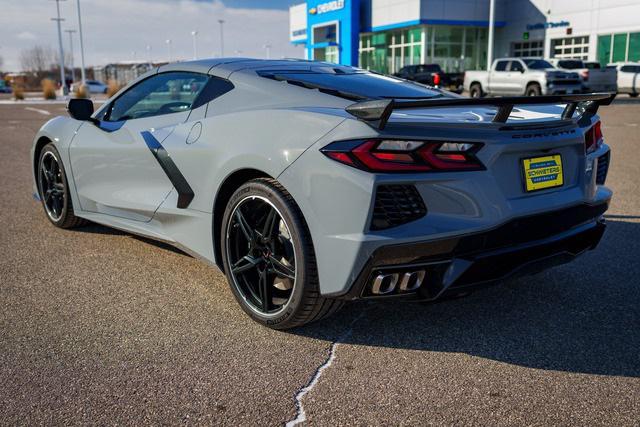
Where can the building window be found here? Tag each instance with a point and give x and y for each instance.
(528, 48)
(405, 48)
(570, 48)
(618, 48)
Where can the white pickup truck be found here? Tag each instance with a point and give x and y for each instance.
(594, 77)
(521, 76)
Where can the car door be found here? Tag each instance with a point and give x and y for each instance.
(516, 83)
(114, 169)
(498, 78)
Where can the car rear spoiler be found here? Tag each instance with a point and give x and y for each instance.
(377, 112)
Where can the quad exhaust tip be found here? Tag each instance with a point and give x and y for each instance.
(385, 284)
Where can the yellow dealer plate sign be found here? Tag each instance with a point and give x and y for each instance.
(543, 172)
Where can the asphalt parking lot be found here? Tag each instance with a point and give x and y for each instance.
(101, 327)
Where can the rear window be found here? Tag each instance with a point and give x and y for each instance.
(354, 84)
(570, 65)
(537, 64)
(592, 65)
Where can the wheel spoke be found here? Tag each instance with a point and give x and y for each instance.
(269, 224)
(265, 291)
(281, 269)
(244, 264)
(244, 226)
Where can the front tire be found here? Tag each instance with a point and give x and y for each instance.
(53, 189)
(533, 90)
(269, 258)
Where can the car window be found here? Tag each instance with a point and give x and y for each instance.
(592, 65)
(571, 64)
(502, 65)
(516, 66)
(164, 93)
(537, 64)
(630, 69)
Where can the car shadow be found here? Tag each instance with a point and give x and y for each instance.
(582, 317)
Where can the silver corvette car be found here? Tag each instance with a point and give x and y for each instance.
(310, 184)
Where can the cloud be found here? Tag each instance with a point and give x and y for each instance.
(26, 35)
(121, 29)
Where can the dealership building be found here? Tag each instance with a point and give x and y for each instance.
(385, 35)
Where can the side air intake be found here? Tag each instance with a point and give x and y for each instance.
(396, 205)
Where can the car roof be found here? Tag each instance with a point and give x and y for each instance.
(225, 66)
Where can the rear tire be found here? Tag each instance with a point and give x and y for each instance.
(634, 95)
(267, 251)
(475, 91)
(53, 189)
(533, 90)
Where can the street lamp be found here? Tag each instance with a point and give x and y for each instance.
(221, 22)
(267, 47)
(63, 83)
(148, 48)
(71, 59)
(168, 42)
(82, 74)
(194, 34)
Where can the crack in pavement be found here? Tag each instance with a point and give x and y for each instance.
(301, 415)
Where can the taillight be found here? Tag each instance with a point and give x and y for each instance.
(376, 155)
(585, 75)
(436, 79)
(593, 139)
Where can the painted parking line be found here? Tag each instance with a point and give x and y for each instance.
(38, 110)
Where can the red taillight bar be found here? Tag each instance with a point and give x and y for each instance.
(425, 157)
(593, 138)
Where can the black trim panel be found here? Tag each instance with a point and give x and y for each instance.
(512, 236)
(185, 192)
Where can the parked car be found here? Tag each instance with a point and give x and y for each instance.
(628, 77)
(94, 86)
(521, 76)
(594, 77)
(310, 184)
(4, 87)
(432, 75)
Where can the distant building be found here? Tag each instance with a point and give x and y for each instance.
(386, 35)
(122, 72)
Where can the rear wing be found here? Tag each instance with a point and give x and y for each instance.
(377, 112)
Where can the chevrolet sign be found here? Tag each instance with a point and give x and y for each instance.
(327, 7)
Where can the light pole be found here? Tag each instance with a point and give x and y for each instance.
(71, 59)
(63, 83)
(267, 47)
(148, 47)
(492, 13)
(168, 42)
(82, 74)
(221, 22)
(194, 34)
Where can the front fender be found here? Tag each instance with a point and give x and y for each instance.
(59, 131)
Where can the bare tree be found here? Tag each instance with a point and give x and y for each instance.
(38, 59)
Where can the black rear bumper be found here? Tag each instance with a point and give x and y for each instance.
(523, 245)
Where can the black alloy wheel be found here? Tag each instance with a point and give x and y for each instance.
(261, 255)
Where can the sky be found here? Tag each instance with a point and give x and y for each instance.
(116, 30)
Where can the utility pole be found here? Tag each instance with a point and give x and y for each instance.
(267, 47)
(221, 22)
(194, 34)
(168, 42)
(492, 16)
(82, 74)
(63, 83)
(148, 47)
(71, 59)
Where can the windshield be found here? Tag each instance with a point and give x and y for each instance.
(359, 83)
(537, 64)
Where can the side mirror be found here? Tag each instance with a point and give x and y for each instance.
(80, 109)
(522, 70)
